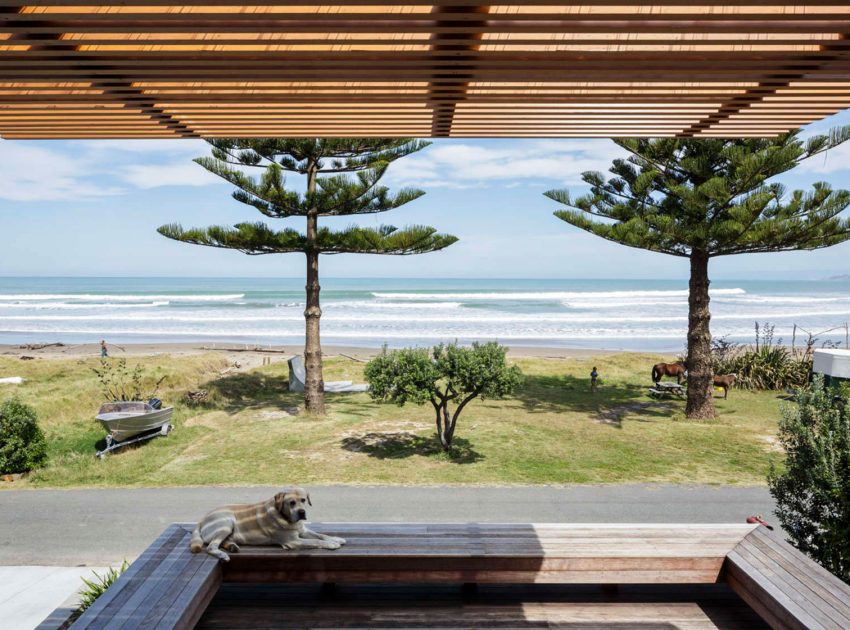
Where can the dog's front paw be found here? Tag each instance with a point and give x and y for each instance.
(330, 544)
(337, 539)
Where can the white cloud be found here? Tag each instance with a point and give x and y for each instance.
(461, 164)
(34, 173)
(49, 171)
(189, 147)
(84, 170)
(177, 173)
(832, 161)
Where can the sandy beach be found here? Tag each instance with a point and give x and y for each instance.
(247, 355)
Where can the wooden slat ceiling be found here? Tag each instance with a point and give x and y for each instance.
(151, 68)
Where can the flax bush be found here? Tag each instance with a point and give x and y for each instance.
(766, 365)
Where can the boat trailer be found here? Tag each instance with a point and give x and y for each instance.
(114, 445)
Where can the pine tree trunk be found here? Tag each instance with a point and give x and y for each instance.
(700, 370)
(314, 384)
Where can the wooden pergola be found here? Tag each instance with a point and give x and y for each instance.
(539, 68)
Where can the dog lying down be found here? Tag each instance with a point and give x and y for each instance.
(278, 521)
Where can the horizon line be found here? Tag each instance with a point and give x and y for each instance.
(835, 277)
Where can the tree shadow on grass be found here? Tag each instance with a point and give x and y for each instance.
(246, 390)
(611, 402)
(403, 444)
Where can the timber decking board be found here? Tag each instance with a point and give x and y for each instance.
(802, 587)
(785, 588)
(805, 567)
(167, 581)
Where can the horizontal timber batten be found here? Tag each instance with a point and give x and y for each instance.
(154, 68)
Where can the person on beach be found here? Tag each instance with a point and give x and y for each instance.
(103, 353)
(593, 376)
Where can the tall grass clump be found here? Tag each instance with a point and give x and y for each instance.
(96, 586)
(765, 365)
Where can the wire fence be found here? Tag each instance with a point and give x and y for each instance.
(811, 337)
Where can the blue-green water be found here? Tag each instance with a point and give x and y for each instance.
(634, 314)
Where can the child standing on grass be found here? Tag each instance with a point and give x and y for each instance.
(593, 376)
(103, 352)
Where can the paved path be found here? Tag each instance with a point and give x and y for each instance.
(29, 594)
(102, 527)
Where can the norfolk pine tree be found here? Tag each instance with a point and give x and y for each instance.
(703, 198)
(342, 179)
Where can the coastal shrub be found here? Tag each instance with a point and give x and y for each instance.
(812, 493)
(446, 376)
(765, 365)
(119, 383)
(22, 444)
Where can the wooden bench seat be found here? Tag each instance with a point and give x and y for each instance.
(491, 553)
(169, 587)
(166, 587)
(788, 590)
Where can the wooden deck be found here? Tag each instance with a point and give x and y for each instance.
(734, 573)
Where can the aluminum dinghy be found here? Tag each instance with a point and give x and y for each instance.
(127, 422)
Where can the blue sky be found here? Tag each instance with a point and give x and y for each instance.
(91, 208)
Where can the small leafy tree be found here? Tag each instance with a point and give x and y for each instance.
(448, 375)
(22, 444)
(812, 493)
(703, 198)
(119, 383)
(342, 178)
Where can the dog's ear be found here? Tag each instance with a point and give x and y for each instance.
(278, 501)
(309, 502)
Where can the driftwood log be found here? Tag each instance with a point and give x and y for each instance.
(198, 397)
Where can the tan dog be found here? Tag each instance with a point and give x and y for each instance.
(278, 521)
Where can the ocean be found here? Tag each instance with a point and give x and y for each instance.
(610, 314)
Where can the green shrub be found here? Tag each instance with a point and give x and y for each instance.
(813, 492)
(767, 365)
(22, 445)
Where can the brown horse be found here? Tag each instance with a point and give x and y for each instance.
(668, 369)
(725, 381)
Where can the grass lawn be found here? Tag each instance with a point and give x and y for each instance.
(554, 431)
